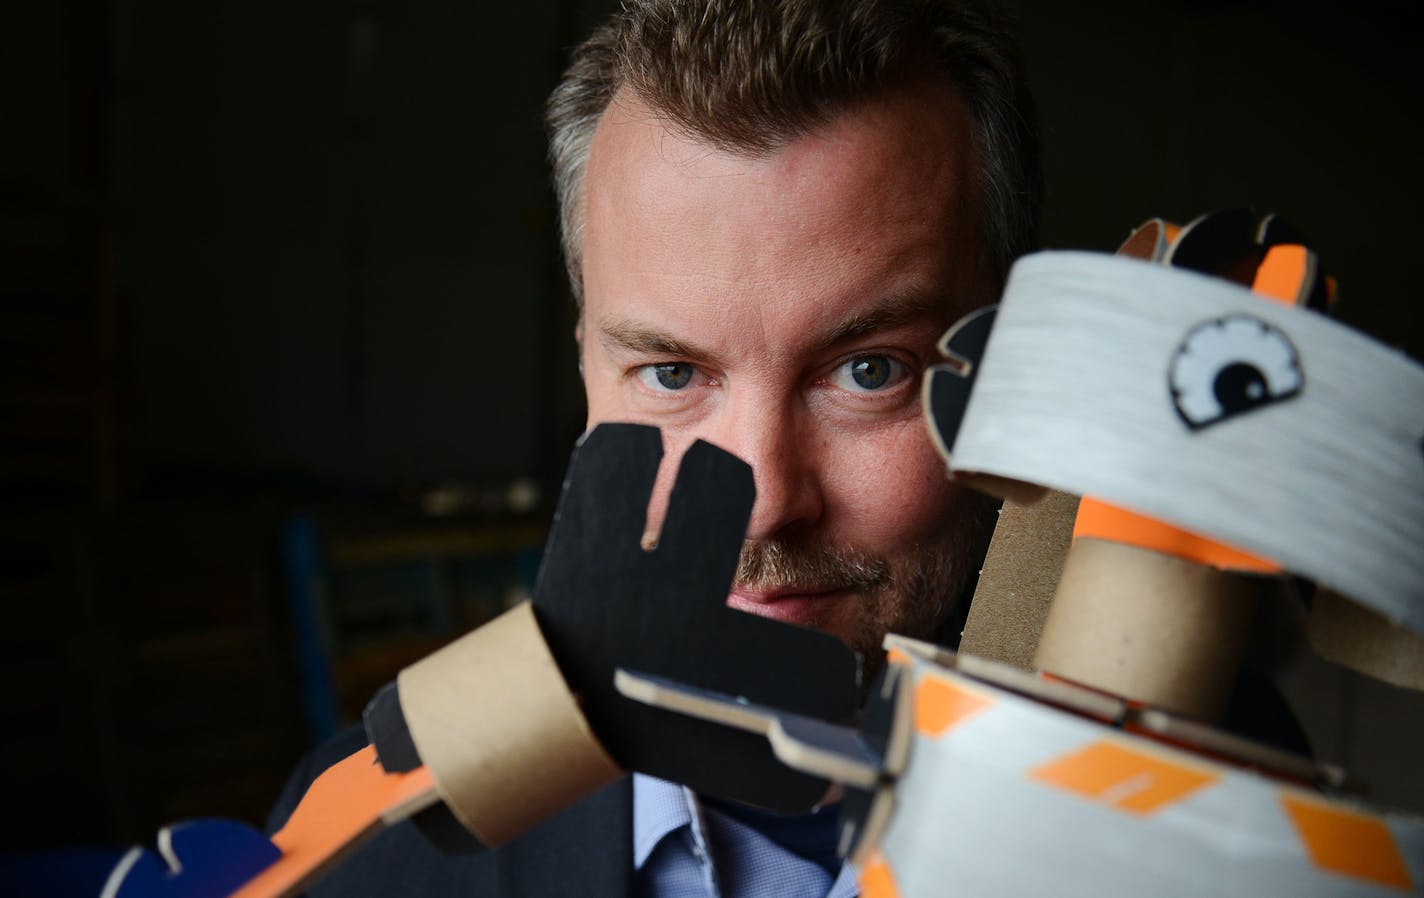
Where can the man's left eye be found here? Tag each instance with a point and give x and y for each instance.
(867, 373)
(667, 377)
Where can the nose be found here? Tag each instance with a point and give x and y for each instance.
(773, 437)
(783, 455)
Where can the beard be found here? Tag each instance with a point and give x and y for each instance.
(918, 591)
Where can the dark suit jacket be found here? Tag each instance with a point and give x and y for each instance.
(586, 850)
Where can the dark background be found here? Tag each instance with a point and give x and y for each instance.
(286, 367)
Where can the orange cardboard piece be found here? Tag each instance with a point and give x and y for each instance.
(1347, 842)
(1285, 274)
(346, 805)
(1123, 778)
(1100, 520)
(876, 880)
(941, 705)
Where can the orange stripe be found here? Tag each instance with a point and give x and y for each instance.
(896, 656)
(1282, 273)
(1347, 842)
(342, 807)
(1103, 521)
(876, 880)
(1123, 778)
(941, 705)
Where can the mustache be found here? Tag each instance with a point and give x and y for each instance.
(772, 564)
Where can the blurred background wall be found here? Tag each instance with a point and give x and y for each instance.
(286, 364)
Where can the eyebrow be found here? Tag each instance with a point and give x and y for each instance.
(890, 313)
(622, 333)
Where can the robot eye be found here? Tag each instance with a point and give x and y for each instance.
(1229, 366)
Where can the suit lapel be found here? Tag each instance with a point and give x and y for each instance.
(586, 850)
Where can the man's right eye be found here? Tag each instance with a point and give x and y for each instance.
(666, 377)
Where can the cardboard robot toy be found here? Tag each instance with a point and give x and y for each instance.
(960, 768)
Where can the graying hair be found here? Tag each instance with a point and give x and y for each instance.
(748, 76)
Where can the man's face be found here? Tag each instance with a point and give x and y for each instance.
(784, 308)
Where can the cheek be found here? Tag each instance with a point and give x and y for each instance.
(607, 401)
(886, 487)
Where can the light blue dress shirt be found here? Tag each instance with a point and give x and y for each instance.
(684, 849)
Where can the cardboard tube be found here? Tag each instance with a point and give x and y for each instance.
(494, 721)
(1148, 627)
(1356, 637)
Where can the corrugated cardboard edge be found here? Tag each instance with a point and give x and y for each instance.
(1019, 578)
(496, 724)
(1356, 637)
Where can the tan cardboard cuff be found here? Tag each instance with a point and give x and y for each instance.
(1148, 626)
(496, 724)
(1352, 635)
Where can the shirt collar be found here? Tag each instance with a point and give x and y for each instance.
(659, 807)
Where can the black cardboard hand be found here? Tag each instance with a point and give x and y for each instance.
(603, 602)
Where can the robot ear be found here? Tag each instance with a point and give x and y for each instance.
(1231, 244)
(1274, 230)
(1222, 244)
(945, 393)
(945, 399)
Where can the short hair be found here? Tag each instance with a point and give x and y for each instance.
(748, 76)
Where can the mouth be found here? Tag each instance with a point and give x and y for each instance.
(790, 604)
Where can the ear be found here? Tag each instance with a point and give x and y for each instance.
(578, 343)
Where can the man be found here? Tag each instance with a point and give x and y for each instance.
(770, 213)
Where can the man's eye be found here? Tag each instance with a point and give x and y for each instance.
(867, 373)
(668, 376)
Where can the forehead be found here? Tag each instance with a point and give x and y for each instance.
(878, 203)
